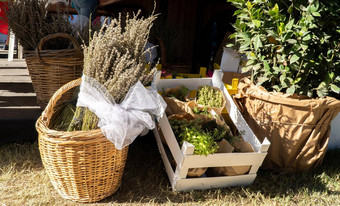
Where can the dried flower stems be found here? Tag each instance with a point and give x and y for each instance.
(115, 57)
(30, 22)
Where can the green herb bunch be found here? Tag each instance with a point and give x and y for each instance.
(203, 135)
(216, 131)
(292, 46)
(179, 94)
(203, 142)
(210, 96)
(197, 110)
(63, 117)
(179, 125)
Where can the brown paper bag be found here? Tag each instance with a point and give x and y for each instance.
(226, 147)
(173, 91)
(174, 106)
(196, 172)
(298, 128)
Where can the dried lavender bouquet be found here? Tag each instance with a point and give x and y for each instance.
(115, 58)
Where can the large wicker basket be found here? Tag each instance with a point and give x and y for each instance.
(51, 69)
(82, 165)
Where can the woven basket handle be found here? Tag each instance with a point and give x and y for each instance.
(49, 110)
(76, 45)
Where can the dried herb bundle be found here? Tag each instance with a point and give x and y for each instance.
(115, 57)
(30, 21)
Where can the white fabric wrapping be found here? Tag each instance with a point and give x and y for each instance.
(121, 123)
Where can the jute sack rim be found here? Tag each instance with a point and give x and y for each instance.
(247, 88)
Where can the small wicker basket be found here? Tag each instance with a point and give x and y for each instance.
(51, 69)
(82, 165)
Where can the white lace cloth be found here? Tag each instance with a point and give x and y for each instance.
(121, 123)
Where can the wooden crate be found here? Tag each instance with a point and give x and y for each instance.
(184, 157)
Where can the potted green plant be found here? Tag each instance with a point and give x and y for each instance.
(293, 56)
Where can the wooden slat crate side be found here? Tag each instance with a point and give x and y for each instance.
(170, 139)
(168, 168)
(213, 182)
(224, 159)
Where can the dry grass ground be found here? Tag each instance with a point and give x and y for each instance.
(23, 181)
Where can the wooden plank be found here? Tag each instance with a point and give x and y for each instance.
(18, 101)
(4, 63)
(214, 182)
(16, 89)
(265, 145)
(22, 113)
(15, 79)
(254, 168)
(190, 83)
(164, 157)
(6, 93)
(20, 52)
(182, 169)
(170, 139)
(224, 159)
(14, 71)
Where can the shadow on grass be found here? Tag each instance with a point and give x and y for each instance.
(20, 155)
(316, 180)
(145, 180)
(17, 131)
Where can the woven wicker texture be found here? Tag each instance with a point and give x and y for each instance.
(82, 165)
(51, 69)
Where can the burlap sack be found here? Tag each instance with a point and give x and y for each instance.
(298, 128)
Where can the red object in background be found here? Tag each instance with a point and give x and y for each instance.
(3, 18)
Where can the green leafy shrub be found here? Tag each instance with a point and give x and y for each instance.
(292, 45)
